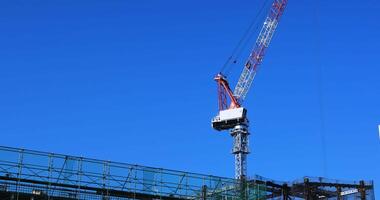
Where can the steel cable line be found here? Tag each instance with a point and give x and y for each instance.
(243, 42)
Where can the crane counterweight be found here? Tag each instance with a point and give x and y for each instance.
(227, 119)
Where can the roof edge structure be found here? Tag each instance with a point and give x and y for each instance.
(28, 174)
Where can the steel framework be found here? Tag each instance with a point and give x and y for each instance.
(33, 175)
(240, 149)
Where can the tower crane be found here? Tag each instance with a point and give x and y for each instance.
(232, 115)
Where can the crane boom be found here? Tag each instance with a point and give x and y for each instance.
(257, 54)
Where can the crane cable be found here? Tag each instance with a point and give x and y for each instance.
(319, 73)
(243, 42)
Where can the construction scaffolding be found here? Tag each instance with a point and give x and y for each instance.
(33, 175)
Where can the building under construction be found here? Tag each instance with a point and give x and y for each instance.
(34, 175)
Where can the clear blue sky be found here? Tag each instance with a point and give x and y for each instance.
(132, 81)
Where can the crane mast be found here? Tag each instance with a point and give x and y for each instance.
(232, 116)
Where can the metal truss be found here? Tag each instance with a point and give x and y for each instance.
(26, 175)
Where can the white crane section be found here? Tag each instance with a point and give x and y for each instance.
(255, 58)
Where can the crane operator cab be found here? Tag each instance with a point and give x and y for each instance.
(228, 119)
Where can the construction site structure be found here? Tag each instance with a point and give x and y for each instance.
(232, 115)
(36, 175)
